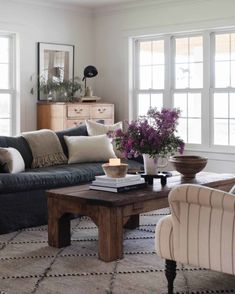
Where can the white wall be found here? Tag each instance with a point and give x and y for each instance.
(34, 23)
(112, 32)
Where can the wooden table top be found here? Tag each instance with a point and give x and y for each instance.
(84, 195)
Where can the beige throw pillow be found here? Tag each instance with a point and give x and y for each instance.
(46, 148)
(94, 129)
(11, 160)
(89, 149)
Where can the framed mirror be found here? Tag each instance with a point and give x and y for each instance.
(55, 65)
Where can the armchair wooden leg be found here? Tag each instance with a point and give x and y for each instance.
(170, 272)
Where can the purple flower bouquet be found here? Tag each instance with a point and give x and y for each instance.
(154, 134)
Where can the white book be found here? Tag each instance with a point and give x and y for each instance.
(125, 179)
(119, 189)
(117, 185)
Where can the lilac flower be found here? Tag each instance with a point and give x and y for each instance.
(153, 134)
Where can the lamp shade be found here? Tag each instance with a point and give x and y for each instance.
(89, 72)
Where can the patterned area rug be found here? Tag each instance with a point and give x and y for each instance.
(29, 265)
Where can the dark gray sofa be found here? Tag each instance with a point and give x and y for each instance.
(22, 196)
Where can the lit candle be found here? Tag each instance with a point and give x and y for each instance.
(114, 161)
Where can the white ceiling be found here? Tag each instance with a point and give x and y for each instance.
(88, 3)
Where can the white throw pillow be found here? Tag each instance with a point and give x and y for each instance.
(89, 149)
(11, 161)
(94, 128)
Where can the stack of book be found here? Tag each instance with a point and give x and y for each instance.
(129, 182)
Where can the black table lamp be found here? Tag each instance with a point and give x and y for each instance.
(89, 72)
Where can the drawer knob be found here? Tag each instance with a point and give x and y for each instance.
(78, 110)
(101, 110)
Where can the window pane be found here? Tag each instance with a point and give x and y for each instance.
(157, 101)
(221, 105)
(181, 50)
(232, 132)
(180, 101)
(145, 53)
(158, 52)
(182, 129)
(181, 76)
(5, 106)
(158, 77)
(222, 74)
(232, 105)
(221, 132)
(233, 46)
(145, 77)
(194, 131)
(194, 105)
(196, 75)
(233, 74)
(5, 129)
(143, 104)
(4, 76)
(4, 50)
(196, 50)
(222, 45)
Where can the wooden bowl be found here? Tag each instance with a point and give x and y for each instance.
(188, 165)
(115, 171)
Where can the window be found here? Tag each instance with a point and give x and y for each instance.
(7, 85)
(193, 72)
(224, 90)
(151, 80)
(188, 84)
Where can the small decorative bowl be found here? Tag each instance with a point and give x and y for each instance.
(115, 171)
(188, 165)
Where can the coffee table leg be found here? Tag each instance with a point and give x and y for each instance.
(59, 231)
(110, 233)
(133, 222)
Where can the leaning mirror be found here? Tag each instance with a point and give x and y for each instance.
(55, 66)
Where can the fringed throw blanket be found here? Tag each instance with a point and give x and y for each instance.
(46, 148)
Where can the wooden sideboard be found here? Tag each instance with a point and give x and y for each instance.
(63, 115)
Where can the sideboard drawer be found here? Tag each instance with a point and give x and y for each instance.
(102, 111)
(71, 123)
(63, 115)
(78, 111)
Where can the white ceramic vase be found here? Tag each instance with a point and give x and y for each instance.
(151, 164)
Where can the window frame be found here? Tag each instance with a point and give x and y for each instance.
(12, 82)
(207, 91)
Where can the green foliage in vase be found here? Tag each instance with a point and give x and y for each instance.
(65, 88)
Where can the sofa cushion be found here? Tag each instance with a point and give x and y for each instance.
(21, 145)
(52, 177)
(77, 131)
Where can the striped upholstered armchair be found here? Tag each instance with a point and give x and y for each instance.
(200, 230)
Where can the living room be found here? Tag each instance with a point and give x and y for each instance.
(162, 53)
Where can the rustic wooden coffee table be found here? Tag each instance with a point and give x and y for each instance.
(111, 212)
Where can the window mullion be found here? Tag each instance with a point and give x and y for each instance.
(167, 96)
(205, 103)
